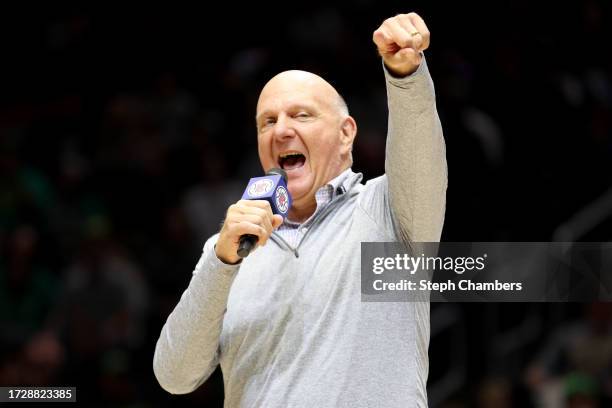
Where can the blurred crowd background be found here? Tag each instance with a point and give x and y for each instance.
(126, 132)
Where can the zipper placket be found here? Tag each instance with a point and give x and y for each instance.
(315, 222)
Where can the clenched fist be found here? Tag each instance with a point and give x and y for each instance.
(253, 217)
(400, 41)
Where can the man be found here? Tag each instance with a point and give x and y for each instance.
(287, 323)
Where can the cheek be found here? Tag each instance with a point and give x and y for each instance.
(264, 150)
(329, 148)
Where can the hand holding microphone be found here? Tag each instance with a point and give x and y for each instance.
(251, 221)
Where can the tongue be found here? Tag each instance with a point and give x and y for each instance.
(293, 162)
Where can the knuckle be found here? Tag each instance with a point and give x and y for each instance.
(404, 42)
(247, 203)
(258, 203)
(261, 213)
(247, 227)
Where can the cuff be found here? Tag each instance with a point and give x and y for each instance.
(406, 81)
(210, 262)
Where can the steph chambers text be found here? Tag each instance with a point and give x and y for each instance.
(462, 285)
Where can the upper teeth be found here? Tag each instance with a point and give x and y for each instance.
(285, 155)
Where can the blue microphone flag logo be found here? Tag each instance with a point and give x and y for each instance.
(282, 199)
(260, 187)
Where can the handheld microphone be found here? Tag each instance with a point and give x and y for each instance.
(273, 188)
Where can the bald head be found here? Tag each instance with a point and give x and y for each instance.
(304, 80)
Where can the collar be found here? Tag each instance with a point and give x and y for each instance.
(338, 184)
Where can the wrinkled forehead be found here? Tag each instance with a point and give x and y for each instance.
(296, 87)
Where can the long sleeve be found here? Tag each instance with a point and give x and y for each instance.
(187, 351)
(416, 157)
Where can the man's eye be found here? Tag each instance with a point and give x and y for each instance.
(302, 115)
(268, 121)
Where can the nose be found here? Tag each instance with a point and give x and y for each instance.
(283, 128)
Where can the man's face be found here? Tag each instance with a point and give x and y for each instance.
(302, 130)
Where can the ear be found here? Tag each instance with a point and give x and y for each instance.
(348, 131)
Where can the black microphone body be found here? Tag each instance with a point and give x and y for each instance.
(247, 243)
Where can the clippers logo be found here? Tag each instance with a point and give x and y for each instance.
(260, 187)
(282, 199)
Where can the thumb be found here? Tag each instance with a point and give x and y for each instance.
(403, 62)
(277, 220)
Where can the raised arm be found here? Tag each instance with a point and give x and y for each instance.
(416, 160)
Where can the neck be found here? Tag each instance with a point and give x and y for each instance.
(301, 212)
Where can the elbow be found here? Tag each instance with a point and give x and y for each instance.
(170, 379)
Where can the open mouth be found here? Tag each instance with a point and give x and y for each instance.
(291, 161)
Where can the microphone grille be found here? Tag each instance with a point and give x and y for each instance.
(279, 172)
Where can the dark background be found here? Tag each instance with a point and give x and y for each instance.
(126, 133)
